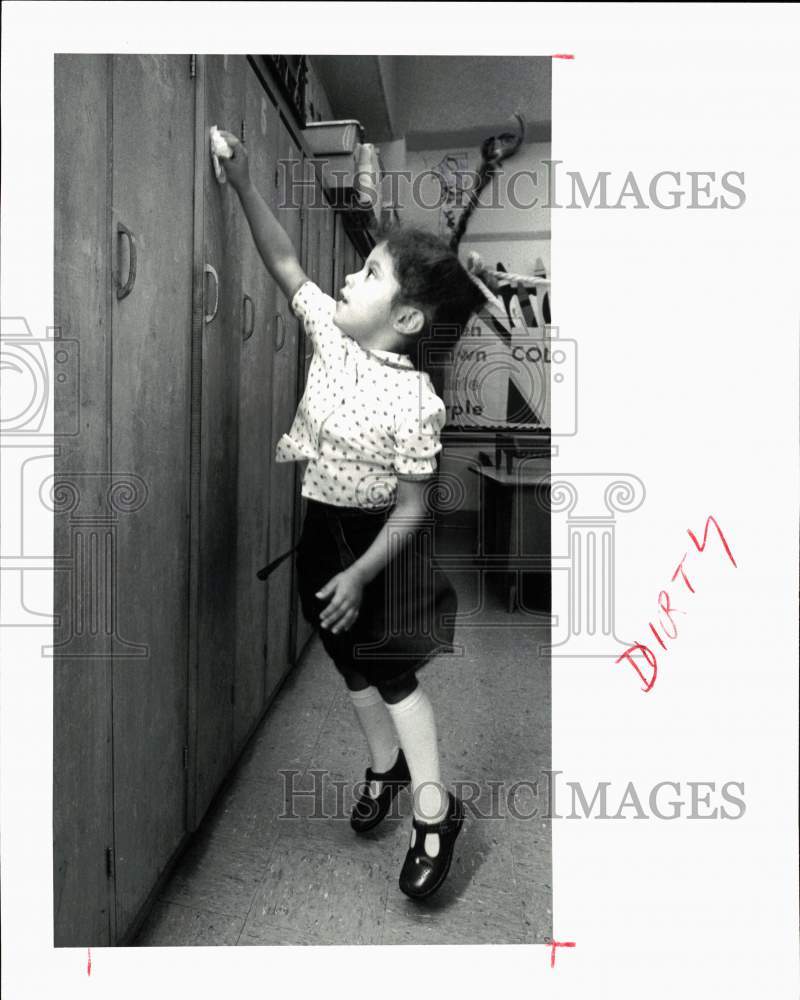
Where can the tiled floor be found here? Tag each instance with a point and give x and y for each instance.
(258, 875)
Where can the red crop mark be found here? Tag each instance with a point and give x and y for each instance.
(89, 963)
(562, 55)
(558, 944)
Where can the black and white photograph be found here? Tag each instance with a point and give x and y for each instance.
(400, 554)
(302, 686)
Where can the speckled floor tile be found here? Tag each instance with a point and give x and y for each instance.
(385, 845)
(270, 934)
(170, 924)
(288, 734)
(534, 882)
(333, 894)
(254, 814)
(217, 876)
(459, 913)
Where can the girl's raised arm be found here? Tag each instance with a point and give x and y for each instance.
(271, 240)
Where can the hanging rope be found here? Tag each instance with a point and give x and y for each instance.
(494, 150)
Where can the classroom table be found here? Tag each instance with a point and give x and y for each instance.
(514, 525)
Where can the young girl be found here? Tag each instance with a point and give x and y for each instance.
(368, 425)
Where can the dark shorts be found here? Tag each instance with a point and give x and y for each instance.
(408, 610)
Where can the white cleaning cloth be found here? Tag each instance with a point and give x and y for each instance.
(219, 149)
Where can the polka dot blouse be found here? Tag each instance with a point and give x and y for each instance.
(367, 417)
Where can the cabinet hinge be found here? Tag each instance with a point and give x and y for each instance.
(192, 67)
(185, 758)
(109, 863)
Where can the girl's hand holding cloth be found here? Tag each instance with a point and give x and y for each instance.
(236, 168)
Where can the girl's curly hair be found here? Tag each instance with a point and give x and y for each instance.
(432, 279)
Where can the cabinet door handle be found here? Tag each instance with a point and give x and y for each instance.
(208, 269)
(247, 328)
(280, 324)
(123, 290)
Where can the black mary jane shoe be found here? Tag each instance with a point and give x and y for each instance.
(369, 811)
(422, 875)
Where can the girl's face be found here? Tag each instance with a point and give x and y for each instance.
(364, 307)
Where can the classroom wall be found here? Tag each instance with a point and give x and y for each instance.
(502, 204)
(499, 230)
(425, 96)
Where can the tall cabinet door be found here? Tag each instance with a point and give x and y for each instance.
(220, 348)
(283, 475)
(326, 236)
(310, 244)
(339, 240)
(255, 418)
(82, 778)
(311, 248)
(152, 225)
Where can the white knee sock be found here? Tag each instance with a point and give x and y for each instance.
(414, 720)
(378, 729)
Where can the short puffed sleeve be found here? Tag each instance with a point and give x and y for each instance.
(315, 310)
(419, 419)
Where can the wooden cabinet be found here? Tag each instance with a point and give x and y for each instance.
(340, 244)
(168, 648)
(151, 313)
(255, 429)
(123, 292)
(283, 475)
(83, 822)
(317, 242)
(325, 254)
(221, 99)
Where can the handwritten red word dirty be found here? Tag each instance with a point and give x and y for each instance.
(665, 604)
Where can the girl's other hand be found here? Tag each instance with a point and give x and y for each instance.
(345, 590)
(236, 167)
